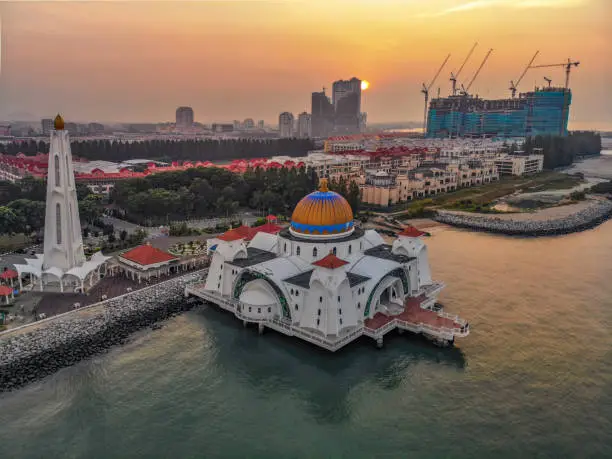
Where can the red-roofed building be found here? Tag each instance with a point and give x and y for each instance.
(330, 261)
(247, 233)
(145, 262)
(411, 231)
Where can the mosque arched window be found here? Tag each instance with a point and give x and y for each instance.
(314, 252)
(285, 248)
(334, 251)
(57, 170)
(58, 224)
(297, 251)
(350, 249)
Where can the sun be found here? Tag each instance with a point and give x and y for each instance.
(365, 84)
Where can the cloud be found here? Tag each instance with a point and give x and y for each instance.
(517, 4)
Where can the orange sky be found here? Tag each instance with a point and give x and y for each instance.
(137, 61)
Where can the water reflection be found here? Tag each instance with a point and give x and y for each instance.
(275, 363)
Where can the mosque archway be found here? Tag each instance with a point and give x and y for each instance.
(247, 276)
(388, 293)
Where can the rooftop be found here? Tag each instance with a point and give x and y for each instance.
(330, 261)
(254, 257)
(384, 251)
(303, 279)
(147, 255)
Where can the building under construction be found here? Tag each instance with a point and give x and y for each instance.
(540, 112)
(543, 111)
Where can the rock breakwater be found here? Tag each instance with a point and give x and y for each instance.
(595, 214)
(35, 354)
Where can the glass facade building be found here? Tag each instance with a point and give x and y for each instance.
(541, 112)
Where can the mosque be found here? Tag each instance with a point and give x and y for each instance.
(328, 281)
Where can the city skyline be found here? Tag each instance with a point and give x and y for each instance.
(145, 69)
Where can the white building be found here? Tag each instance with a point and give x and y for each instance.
(47, 126)
(63, 263)
(327, 281)
(304, 129)
(519, 165)
(285, 124)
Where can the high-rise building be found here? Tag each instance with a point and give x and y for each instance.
(249, 123)
(322, 115)
(363, 121)
(95, 128)
(304, 128)
(184, 117)
(346, 97)
(47, 125)
(72, 128)
(261, 124)
(540, 112)
(342, 88)
(237, 125)
(5, 130)
(285, 124)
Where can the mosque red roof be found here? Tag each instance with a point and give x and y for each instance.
(147, 255)
(247, 233)
(411, 231)
(330, 261)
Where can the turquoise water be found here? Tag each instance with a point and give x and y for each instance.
(533, 380)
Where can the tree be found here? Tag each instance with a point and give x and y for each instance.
(354, 197)
(32, 213)
(10, 223)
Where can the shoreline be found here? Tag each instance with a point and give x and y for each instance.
(30, 355)
(594, 214)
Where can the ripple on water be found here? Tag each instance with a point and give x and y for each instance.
(534, 378)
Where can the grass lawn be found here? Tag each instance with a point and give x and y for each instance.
(16, 241)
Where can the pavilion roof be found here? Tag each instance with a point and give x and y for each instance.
(148, 255)
(9, 274)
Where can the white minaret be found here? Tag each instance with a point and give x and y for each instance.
(63, 245)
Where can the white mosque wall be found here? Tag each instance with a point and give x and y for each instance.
(215, 270)
(260, 300)
(314, 251)
(416, 248)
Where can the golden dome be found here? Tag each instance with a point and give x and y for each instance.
(322, 212)
(58, 123)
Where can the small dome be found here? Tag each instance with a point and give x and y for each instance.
(58, 123)
(323, 212)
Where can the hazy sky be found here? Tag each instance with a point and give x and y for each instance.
(139, 60)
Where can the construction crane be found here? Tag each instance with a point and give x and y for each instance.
(548, 80)
(454, 76)
(568, 67)
(425, 91)
(465, 90)
(513, 85)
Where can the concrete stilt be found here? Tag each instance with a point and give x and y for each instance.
(261, 329)
(379, 342)
(244, 323)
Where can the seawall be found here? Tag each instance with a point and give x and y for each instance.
(585, 219)
(34, 354)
